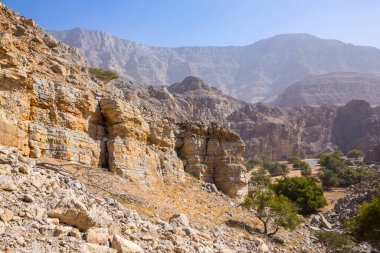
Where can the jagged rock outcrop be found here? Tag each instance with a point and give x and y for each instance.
(277, 133)
(50, 107)
(134, 151)
(44, 112)
(332, 89)
(267, 131)
(213, 154)
(253, 73)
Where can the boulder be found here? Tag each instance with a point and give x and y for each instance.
(6, 215)
(95, 248)
(97, 236)
(7, 183)
(123, 245)
(73, 212)
(179, 220)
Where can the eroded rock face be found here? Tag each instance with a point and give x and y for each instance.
(134, 149)
(50, 107)
(356, 126)
(47, 98)
(213, 154)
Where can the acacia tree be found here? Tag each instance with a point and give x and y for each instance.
(272, 210)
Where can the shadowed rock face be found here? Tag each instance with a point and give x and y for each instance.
(332, 89)
(356, 126)
(253, 73)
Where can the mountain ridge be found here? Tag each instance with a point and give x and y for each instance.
(253, 73)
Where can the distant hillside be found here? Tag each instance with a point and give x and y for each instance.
(257, 72)
(332, 89)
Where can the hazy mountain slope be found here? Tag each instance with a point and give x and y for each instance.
(256, 72)
(334, 88)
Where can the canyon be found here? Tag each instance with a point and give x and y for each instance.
(88, 165)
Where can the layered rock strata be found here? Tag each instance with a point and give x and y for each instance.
(50, 106)
(213, 154)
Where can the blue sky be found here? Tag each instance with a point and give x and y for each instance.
(210, 22)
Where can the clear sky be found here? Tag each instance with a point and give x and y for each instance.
(210, 22)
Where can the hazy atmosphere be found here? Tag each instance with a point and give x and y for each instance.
(178, 126)
(173, 23)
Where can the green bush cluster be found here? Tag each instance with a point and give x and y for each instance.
(335, 242)
(365, 225)
(103, 75)
(272, 210)
(260, 177)
(306, 193)
(276, 168)
(355, 153)
(302, 165)
(251, 163)
(336, 172)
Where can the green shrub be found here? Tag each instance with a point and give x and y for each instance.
(275, 168)
(336, 171)
(335, 242)
(355, 153)
(272, 210)
(305, 192)
(366, 224)
(103, 75)
(329, 178)
(331, 160)
(251, 163)
(305, 169)
(260, 177)
(294, 160)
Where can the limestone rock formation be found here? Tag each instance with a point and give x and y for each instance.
(332, 89)
(252, 73)
(50, 107)
(213, 154)
(267, 131)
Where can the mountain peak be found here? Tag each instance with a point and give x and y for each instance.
(190, 83)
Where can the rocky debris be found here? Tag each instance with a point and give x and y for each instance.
(179, 220)
(98, 236)
(123, 245)
(95, 248)
(319, 221)
(73, 212)
(65, 217)
(346, 207)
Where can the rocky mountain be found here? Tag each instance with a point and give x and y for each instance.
(79, 156)
(51, 108)
(257, 72)
(332, 89)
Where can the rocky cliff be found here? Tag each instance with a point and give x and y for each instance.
(332, 89)
(356, 126)
(253, 73)
(51, 107)
(267, 131)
